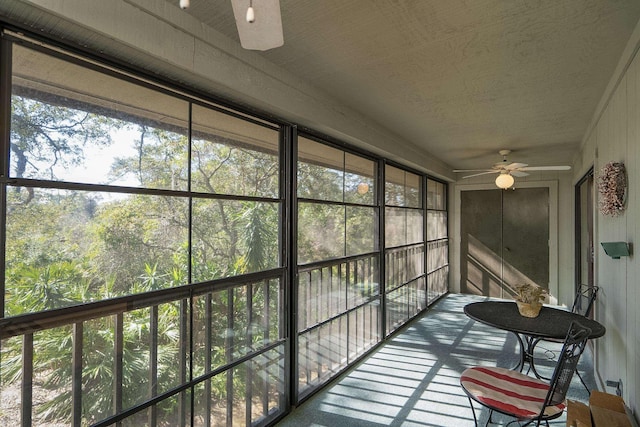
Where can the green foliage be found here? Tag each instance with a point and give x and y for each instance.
(258, 237)
(47, 136)
(67, 247)
(37, 289)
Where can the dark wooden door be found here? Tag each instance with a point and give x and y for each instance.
(504, 240)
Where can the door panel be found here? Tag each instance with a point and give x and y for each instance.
(504, 240)
(584, 231)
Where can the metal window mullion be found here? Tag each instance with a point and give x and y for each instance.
(266, 320)
(76, 388)
(289, 227)
(349, 283)
(357, 330)
(326, 292)
(342, 289)
(183, 360)
(357, 280)
(5, 142)
(361, 331)
(331, 296)
(307, 365)
(27, 380)
(318, 298)
(356, 276)
(313, 297)
(118, 369)
(318, 353)
(186, 356)
(250, 364)
(304, 315)
(382, 260)
(207, 357)
(404, 255)
(412, 290)
(343, 282)
(321, 296)
(228, 347)
(153, 363)
(427, 249)
(371, 295)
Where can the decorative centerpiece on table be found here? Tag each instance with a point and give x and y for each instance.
(529, 299)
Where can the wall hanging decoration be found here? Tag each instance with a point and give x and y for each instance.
(612, 186)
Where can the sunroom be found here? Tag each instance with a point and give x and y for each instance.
(194, 233)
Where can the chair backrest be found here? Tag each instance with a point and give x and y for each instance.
(585, 299)
(572, 349)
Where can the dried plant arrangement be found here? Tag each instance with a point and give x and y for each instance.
(530, 294)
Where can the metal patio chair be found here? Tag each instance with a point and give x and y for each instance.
(526, 398)
(583, 304)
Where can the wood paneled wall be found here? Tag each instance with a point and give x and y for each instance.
(615, 136)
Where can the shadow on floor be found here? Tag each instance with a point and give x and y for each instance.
(413, 380)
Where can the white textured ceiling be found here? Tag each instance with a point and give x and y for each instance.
(460, 78)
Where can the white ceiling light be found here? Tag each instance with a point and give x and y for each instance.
(251, 14)
(504, 180)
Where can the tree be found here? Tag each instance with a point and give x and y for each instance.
(69, 247)
(47, 138)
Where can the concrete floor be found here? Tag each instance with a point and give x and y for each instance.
(413, 380)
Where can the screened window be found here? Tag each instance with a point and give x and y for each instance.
(338, 292)
(159, 220)
(336, 215)
(437, 240)
(146, 275)
(405, 282)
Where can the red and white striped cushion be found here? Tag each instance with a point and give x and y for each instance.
(508, 391)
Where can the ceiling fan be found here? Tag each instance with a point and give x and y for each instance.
(259, 26)
(508, 170)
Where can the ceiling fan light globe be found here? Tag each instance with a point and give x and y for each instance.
(251, 15)
(504, 181)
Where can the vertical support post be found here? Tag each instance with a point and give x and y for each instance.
(266, 321)
(207, 359)
(27, 379)
(228, 348)
(118, 369)
(382, 275)
(186, 356)
(153, 363)
(248, 395)
(5, 142)
(76, 388)
(288, 194)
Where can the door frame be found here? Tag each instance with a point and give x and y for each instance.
(589, 179)
(454, 259)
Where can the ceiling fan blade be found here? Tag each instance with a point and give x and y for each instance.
(266, 31)
(518, 173)
(478, 174)
(513, 166)
(473, 170)
(546, 168)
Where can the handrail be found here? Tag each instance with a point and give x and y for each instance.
(34, 322)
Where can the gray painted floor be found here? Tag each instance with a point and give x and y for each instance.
(413, 380)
